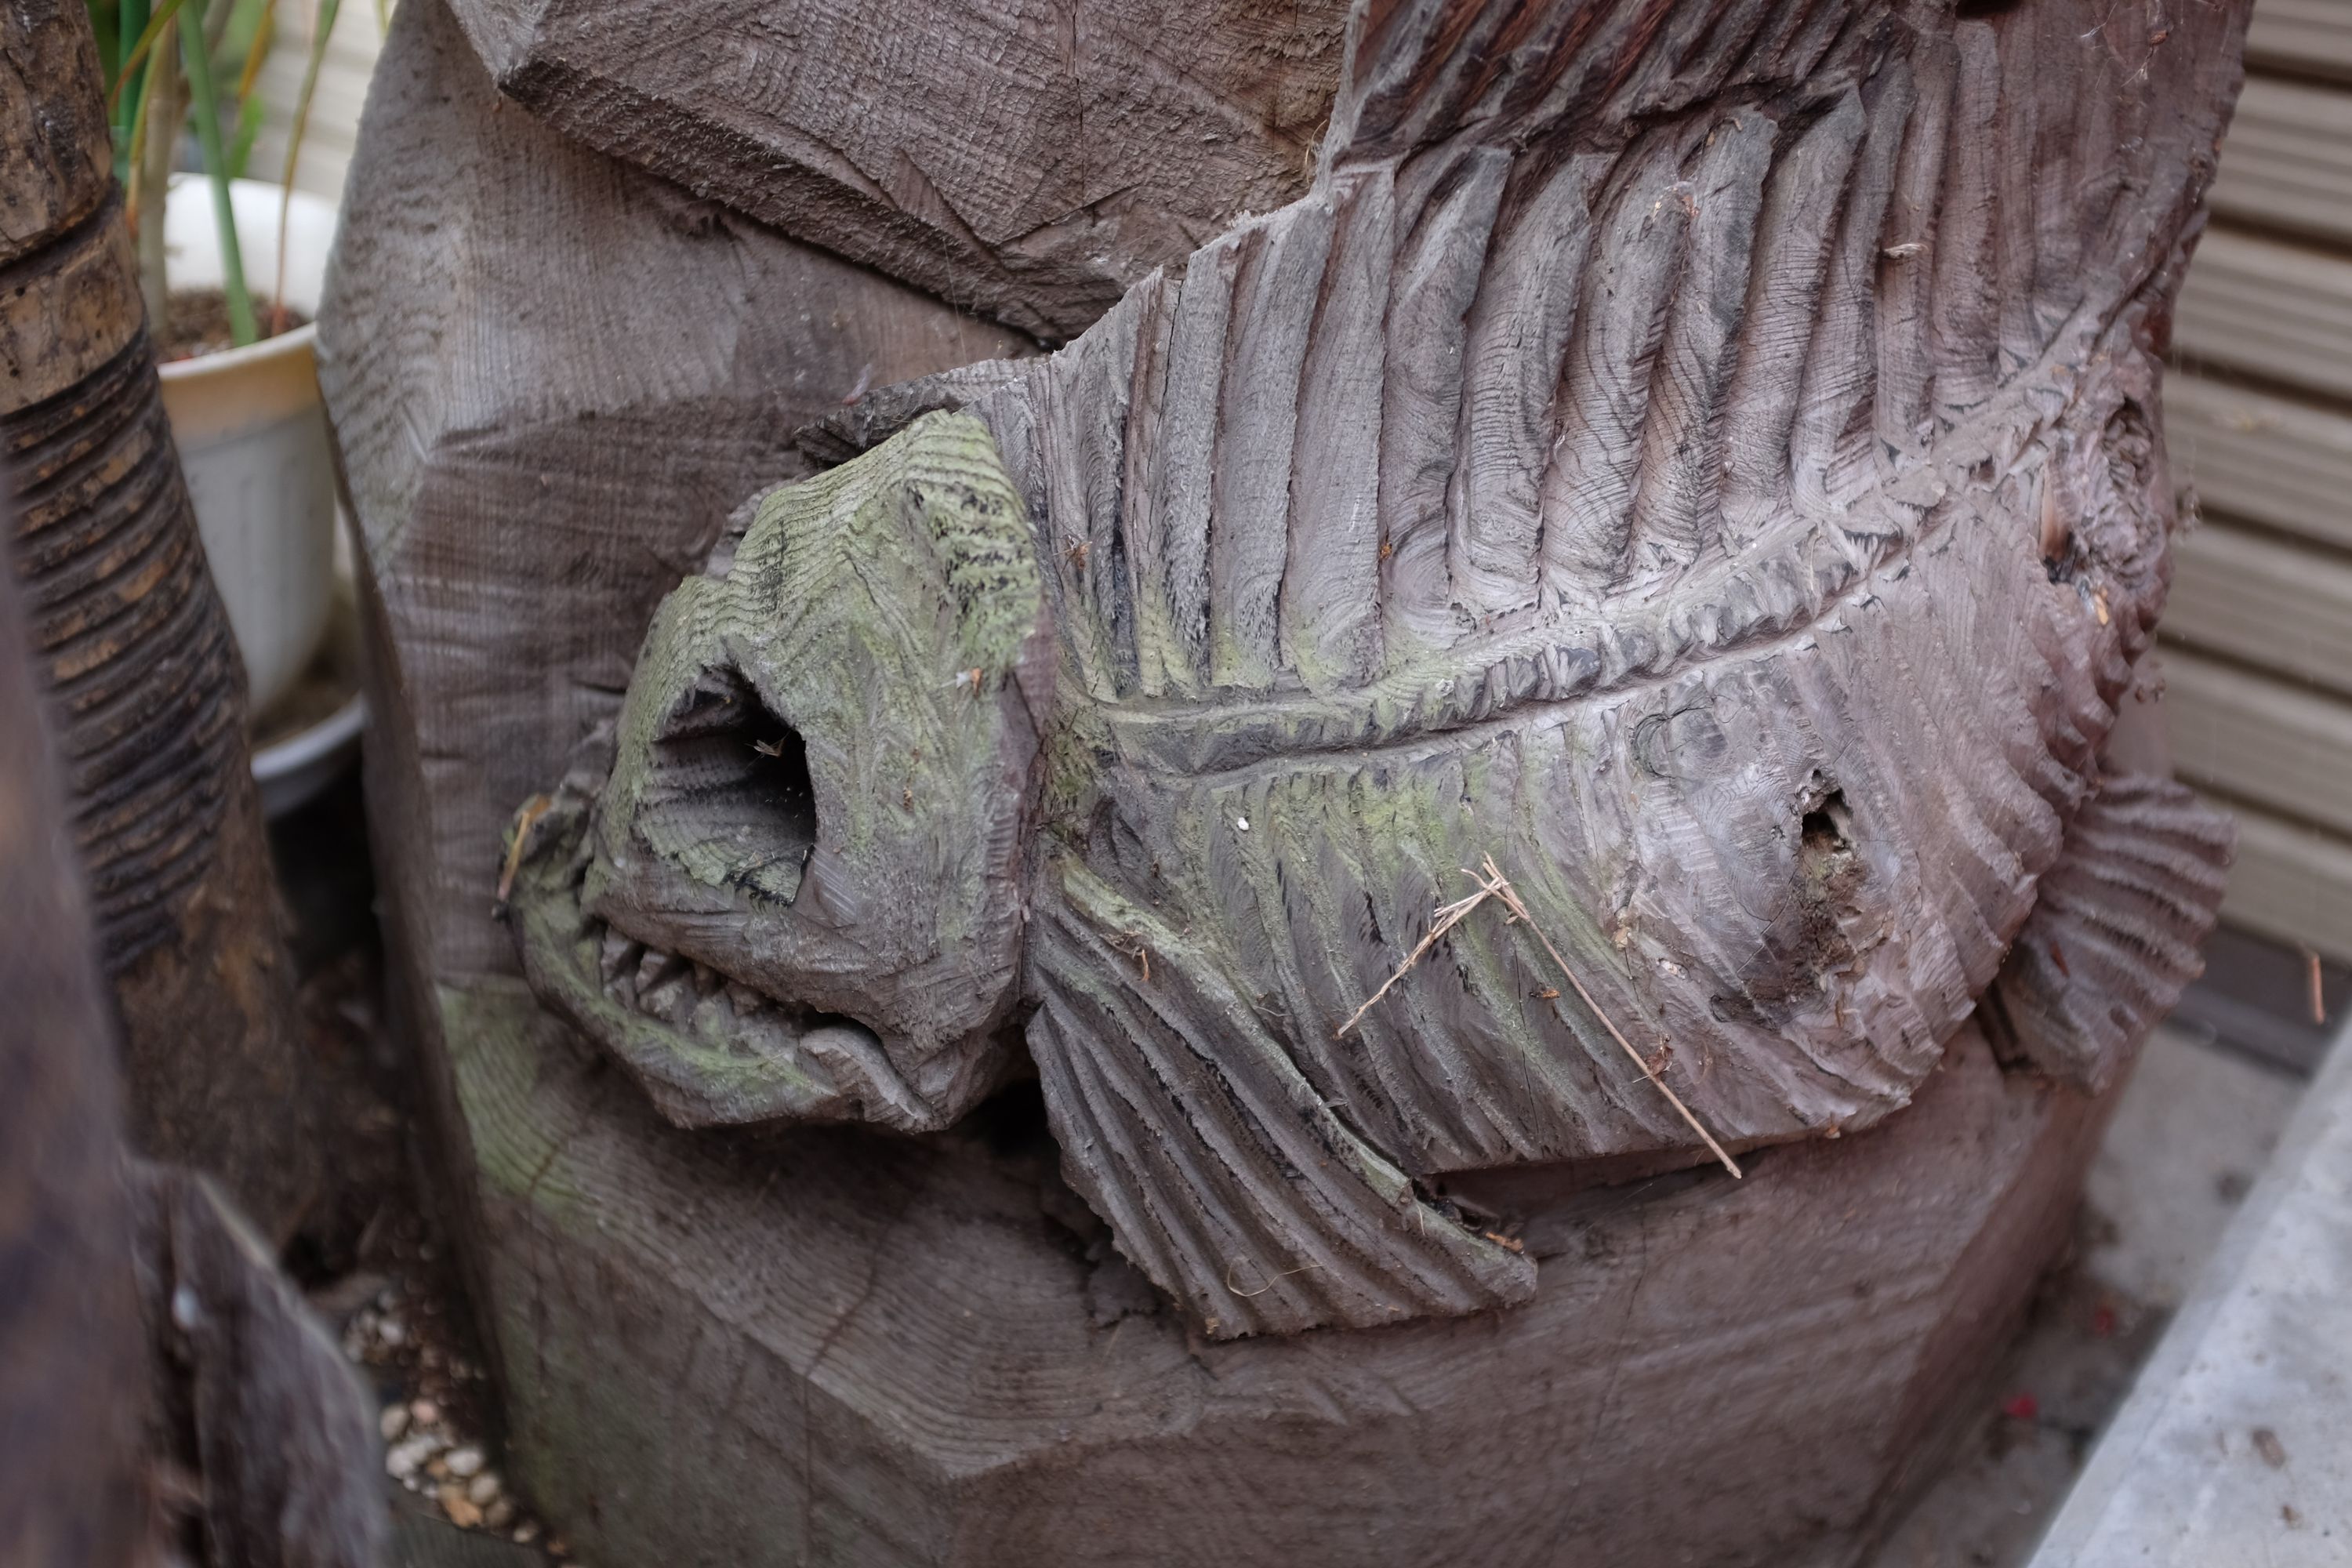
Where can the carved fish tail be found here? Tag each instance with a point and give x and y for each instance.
(2116, 934)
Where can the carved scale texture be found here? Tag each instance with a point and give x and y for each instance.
(1704, 455)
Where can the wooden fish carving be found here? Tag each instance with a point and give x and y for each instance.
(1705, 454)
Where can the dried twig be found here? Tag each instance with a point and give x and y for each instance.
(1448, 916)
(525, 820)
(1233, 1288)
(1492, 884)
(1132, 944)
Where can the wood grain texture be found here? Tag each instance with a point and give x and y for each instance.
(819, 791)
(257, 1404)
(279, 1466)
(1775, 672)
(1025, 159)
(868, 1350)
(136, 651)
(552, 380)
(524, 402)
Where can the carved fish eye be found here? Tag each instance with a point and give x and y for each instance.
(728, 790)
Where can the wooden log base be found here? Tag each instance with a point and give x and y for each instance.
(834, 1345)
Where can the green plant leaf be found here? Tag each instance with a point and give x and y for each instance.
(105, 25)
(138, 56)
(240, 148)
(130, 143)
(196, 57)
(257, 53)
(115, 22)
(322, 27)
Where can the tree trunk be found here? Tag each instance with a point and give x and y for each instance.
(141, 672)
(1706, 457)
(160, 1380)
(74, 1395)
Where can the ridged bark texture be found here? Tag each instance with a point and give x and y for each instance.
(143, 679)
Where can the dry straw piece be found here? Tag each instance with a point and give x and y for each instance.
(1492, 884)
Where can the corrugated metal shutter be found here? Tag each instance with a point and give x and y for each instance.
(2259, 634)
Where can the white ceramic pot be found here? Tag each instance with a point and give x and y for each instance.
(252, 432)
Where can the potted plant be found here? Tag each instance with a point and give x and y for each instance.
(232, 269)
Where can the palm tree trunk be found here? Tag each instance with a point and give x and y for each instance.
(135, 651)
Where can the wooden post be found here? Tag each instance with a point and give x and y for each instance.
(1704, 457)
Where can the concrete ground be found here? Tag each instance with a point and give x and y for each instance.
(2197, 1124)
(2233, 1445)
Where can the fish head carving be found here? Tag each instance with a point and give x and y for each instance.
(789, 885)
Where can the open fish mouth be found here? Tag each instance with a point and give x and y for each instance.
(709, 1048)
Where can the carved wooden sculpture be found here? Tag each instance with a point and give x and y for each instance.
(1706, 457)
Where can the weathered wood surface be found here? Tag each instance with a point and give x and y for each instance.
(843, 1348)
(833, 1344)
(869, 939)
(258, 1412)
(279, 1466)
(567, 363)
(135, 647)
(73, 1363)
(1025, 159)
(1738, 517)
(2119, 930)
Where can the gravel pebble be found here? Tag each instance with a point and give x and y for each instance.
(392, 1422)
(404, 1459)
(484, 1489)
(465, 1462)
(424, 1412)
